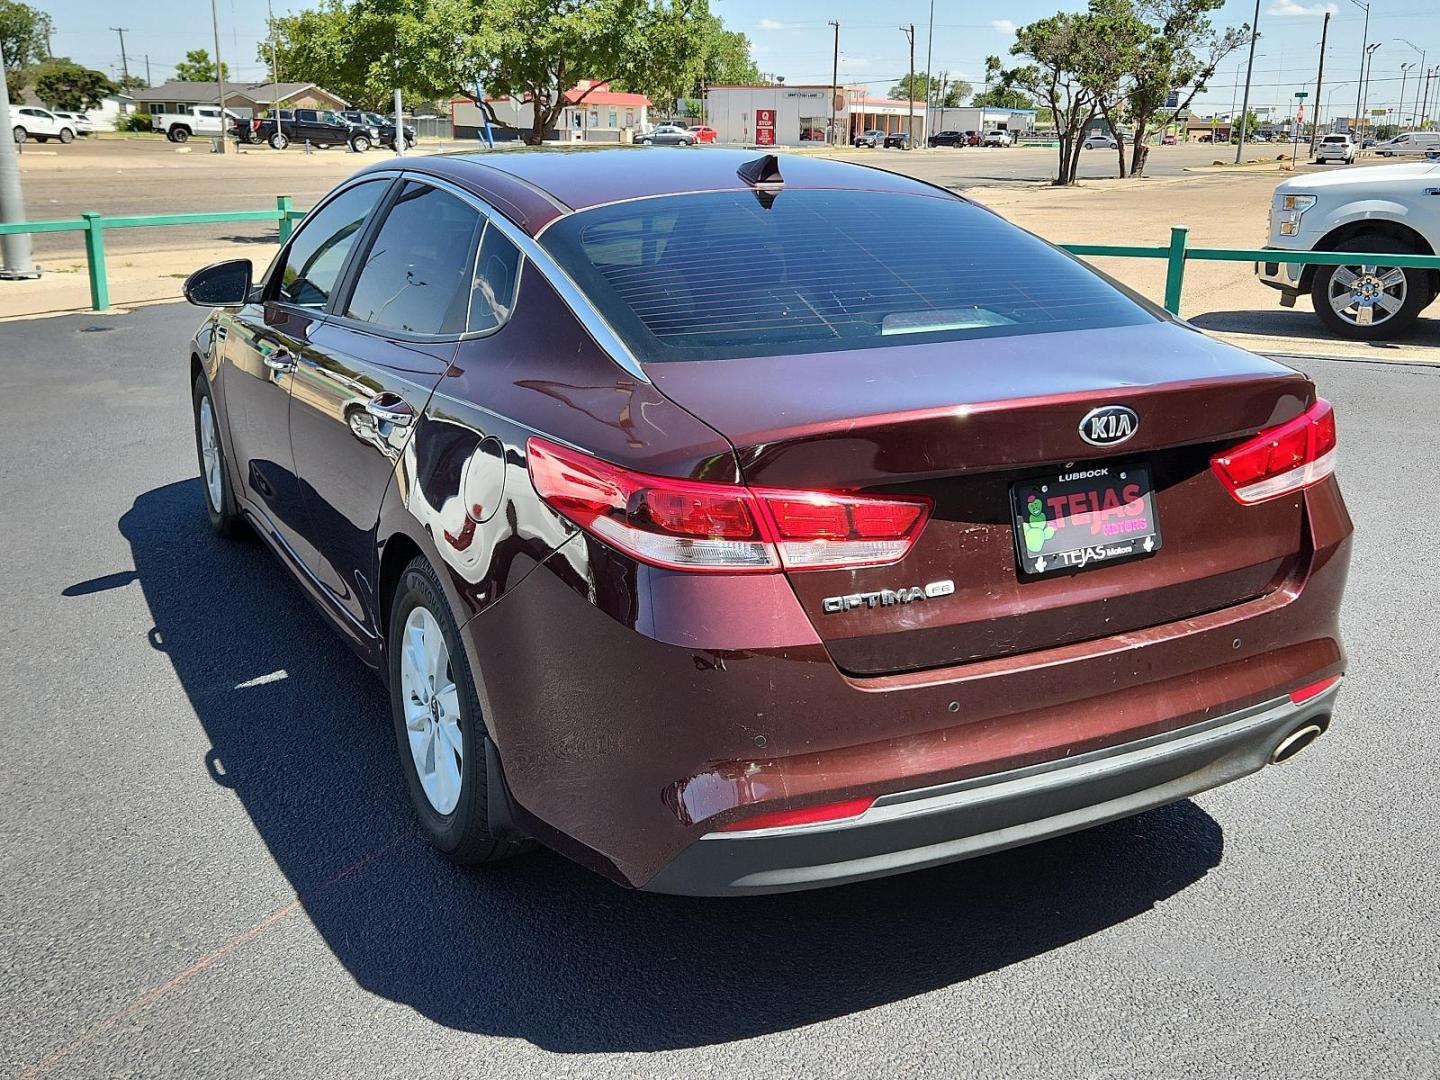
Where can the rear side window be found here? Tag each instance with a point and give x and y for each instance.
(317, 254)
(417, 274)
(734, 274)
(497, 274)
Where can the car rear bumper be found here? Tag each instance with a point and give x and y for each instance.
(916, 829)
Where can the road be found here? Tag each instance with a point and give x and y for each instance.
(210, 868)
(154, 177)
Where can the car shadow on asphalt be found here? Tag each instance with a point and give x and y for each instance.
(538, 948)
(1301, 323)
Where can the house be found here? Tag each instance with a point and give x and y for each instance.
(246, 99)
(595, 114)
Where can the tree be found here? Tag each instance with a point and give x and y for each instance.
(1117, 39)
(954, 92)
(1057, 48)
(130, 82)
(71, 87)
(916, 88)
(198, 67)
(1003, 97)
(727, 57)
(23, 35)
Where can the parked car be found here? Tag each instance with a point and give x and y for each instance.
(33, 122)
(383, 126)
(704, 134)
(1339, 148)
(667, 135)
(1169, 140)
(898, 140)
(812, 134)
(205, 120)
(1374, 209)
(1410, 143)
(871, 139)
(998, 138)
(321, 128)
(82, 123)
(658, 572)
(948, 138)
(1100, 142)
(1369, 144)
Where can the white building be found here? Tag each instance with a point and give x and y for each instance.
(595, 114)
(982, 118)
(780, 115)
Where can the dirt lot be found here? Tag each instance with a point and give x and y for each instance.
(1223, 209)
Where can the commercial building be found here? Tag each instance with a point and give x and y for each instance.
(778, 115)
(595, 113)
(982, 118)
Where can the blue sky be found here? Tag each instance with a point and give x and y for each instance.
(793, 39)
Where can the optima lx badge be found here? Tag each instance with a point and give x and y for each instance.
(833, 605)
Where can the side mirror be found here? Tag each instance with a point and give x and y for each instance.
(222, 284)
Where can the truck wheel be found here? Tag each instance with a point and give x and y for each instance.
(360, 144)
(1369, 302)
(409, 142)
(67, 136)
(278, 141)
(179, 135)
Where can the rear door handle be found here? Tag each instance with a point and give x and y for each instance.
(280, 360)
(390, 408)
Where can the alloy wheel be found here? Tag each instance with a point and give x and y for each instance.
(210, 455)
(431, 703)
(1367, 295)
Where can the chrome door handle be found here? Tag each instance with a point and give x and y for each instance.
(280, 360)
(390, 408)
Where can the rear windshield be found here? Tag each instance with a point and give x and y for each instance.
(736, 274)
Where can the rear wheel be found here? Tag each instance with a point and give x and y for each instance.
(214, 478)
(438, 725)
(278, 141)
(1369, 302)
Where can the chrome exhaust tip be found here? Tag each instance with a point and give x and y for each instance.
(1296, 741)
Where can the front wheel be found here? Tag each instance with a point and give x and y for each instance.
(278, 141)
(409, 142)
(1368, 302)
(214, 478)
(360, 144)
(438, 725)
(67, 136)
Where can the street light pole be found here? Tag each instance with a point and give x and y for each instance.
(909, 32)
(1404, 74)
(1365, 84)
(220, 72)
(15, 260)
(1249, 70)
(834, 83)
(929, 59)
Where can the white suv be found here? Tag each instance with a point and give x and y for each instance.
(33, 122)
(1380, 209)
(1340, 148)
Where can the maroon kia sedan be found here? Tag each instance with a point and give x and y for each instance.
(736, 525)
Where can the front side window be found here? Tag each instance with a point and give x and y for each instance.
(734, 274)
(417, 274)
(317, 254)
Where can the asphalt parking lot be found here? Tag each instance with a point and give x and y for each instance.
(211, 868)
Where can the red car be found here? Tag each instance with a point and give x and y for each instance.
(1169, 140)
(703, 134)
(729, 546)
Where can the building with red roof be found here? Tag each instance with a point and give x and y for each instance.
(595, 113)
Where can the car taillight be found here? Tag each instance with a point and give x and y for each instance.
(695, 525)
(1295, 455)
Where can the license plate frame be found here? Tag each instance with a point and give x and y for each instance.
(1070, 537)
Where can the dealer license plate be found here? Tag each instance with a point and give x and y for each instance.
(1084, 518)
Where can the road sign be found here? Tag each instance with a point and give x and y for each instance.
(764, 127)
(1302, 93)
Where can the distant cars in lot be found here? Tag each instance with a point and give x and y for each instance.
(667, 135)
(705, 134)
(321, 128)
(1374, 210)
(202, 120)
(1339, 148)
(1410, 144)
(997, 137)
(33, 122)
(872, 138)
(383, 125)
(947, 138)
(897, 140)
(1169, 140)
(1100, 142)
(83, 124)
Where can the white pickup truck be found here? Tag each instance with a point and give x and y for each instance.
(1380, 209)
(204, 120)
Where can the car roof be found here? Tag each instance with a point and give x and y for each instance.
(533, 187)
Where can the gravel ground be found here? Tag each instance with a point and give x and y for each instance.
(210, 870)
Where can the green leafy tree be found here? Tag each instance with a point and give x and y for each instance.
(198, 67)
(919, 87)
(727, 57)
(23, 31)
(1003, 97)
(1056, 48)
(71, 87)
(131, 82)
(1117, 38)
(954, 92)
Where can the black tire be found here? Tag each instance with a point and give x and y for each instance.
(463, 835)
(1416, 292)
(279, 141)
(67, 136)
(225, 518)
(360, 144)
(179, 135)
(409, 142)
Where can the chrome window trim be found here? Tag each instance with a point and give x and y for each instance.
(576, 300)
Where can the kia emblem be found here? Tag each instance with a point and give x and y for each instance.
(1109, 425)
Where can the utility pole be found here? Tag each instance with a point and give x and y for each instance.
(929, 59)
(219, 71)
(148, 80)
(1404, 73)
(15, 260)
(834, 83)
(909, 32)
(1319, 83)
(124, 67)
(1245, 104)
(1364, 55)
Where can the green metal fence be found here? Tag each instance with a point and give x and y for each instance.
(1177, 253)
